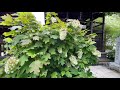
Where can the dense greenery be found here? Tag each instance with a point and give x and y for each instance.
(112, 31)
(111, 55)
(111, 13)
(54, 50)
(112, 28)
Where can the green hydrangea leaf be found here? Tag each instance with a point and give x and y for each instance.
(74, 71)
(46, 32)
(23, 59)
(68, 74)
(11, 33)
(46, 57)
(52, 51)
(54, 36)
(65, 52)
(31, 53)
(63, 73)
(38, 44)
(35, 67)
(92, 48)
(54, 75)
(62, 62)
(8, 40)
(46, 40)
(25, 42)
(7, 17)
(59, 49)
(18, 38)
(90, 42)
(44, 73)
(82, 74)
(7, 20)
(82, 65)
(85, 62)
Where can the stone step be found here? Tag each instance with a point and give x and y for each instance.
(103, 54)
(103, 59)
(106, 64)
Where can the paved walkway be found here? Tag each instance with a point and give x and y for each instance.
(103, 72)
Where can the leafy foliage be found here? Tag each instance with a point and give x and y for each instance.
(112, 31)
(111, 55)
(54, 50)
(111, 13)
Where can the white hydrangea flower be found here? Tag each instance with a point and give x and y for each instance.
(80, 53)
(53, 19)
(36, 38)
(15, 27)
(10, 64)
(74, 23)
(96, 53)
(73, 60)
(63, 34)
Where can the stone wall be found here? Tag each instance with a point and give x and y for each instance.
(116, 64)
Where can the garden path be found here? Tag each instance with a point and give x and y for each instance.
(100, 71)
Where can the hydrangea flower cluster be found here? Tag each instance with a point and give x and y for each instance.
(74, 23)
(53, 19)
(80, 53)
(73, 60)
(11, 64)
(63, 34)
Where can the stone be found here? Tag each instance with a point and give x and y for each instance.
(116, 64)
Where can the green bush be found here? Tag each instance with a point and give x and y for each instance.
(54, 50)
(111, 55)
(112, 30)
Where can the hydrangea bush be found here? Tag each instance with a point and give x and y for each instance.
(55, 50)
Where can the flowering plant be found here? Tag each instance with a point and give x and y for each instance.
(55, 50)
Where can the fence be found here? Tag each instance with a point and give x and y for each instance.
(2, 49)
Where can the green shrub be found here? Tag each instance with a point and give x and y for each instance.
(112, 30)
(111, 55)
(54, 50)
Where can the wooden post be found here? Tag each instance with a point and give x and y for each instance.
(0, 45)
(91, 23)
(103, 33)
(67, 16)
(80, 16)
(0, 50)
